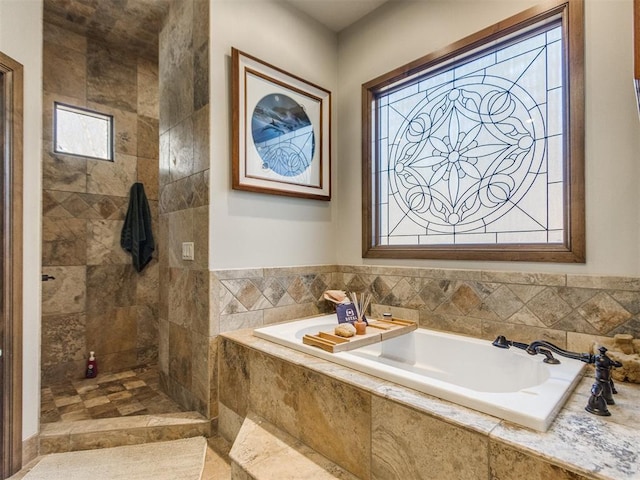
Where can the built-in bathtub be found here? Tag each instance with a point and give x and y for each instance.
(509, 384)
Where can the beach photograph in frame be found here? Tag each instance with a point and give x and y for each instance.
(281, 131)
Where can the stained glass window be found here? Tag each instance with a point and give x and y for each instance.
(472, 151)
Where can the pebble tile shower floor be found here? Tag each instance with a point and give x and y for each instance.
(121, 394)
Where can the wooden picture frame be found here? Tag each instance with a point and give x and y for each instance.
(281, 131)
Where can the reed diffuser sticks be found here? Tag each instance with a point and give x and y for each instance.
(360, 303)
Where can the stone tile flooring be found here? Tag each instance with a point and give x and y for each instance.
(217, 465)
(131, 392)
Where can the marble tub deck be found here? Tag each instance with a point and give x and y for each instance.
(578, 445)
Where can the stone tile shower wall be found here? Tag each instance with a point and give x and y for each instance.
(187, 348)
(571, 311)
(97, 300)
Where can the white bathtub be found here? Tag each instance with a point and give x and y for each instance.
(509, 384)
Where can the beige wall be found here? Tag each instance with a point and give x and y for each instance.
(403, 31)
(258, 230)
(309, 232)
(21, 39)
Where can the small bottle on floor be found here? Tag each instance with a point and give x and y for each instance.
(92, 366)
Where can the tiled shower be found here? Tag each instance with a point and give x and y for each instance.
(97, 300)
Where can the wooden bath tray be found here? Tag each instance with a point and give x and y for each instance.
(377, 330)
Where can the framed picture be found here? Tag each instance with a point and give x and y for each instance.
(281, 131)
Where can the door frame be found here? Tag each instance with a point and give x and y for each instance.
(11, 244)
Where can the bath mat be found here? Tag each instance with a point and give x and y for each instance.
(178, 459)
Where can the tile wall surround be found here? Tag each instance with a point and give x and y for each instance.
(97, 300)
(249, 298)
(571, 311)
(187, 348)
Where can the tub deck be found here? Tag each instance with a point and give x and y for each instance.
(508, 384)
(578, 445)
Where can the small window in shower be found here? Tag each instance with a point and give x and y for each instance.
(82, 132)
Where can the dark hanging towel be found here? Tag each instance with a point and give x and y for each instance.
(136, 236)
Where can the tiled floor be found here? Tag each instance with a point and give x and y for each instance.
(216, 466)
(111, 410)
(131, 392)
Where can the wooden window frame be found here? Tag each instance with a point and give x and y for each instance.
(574, 247)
